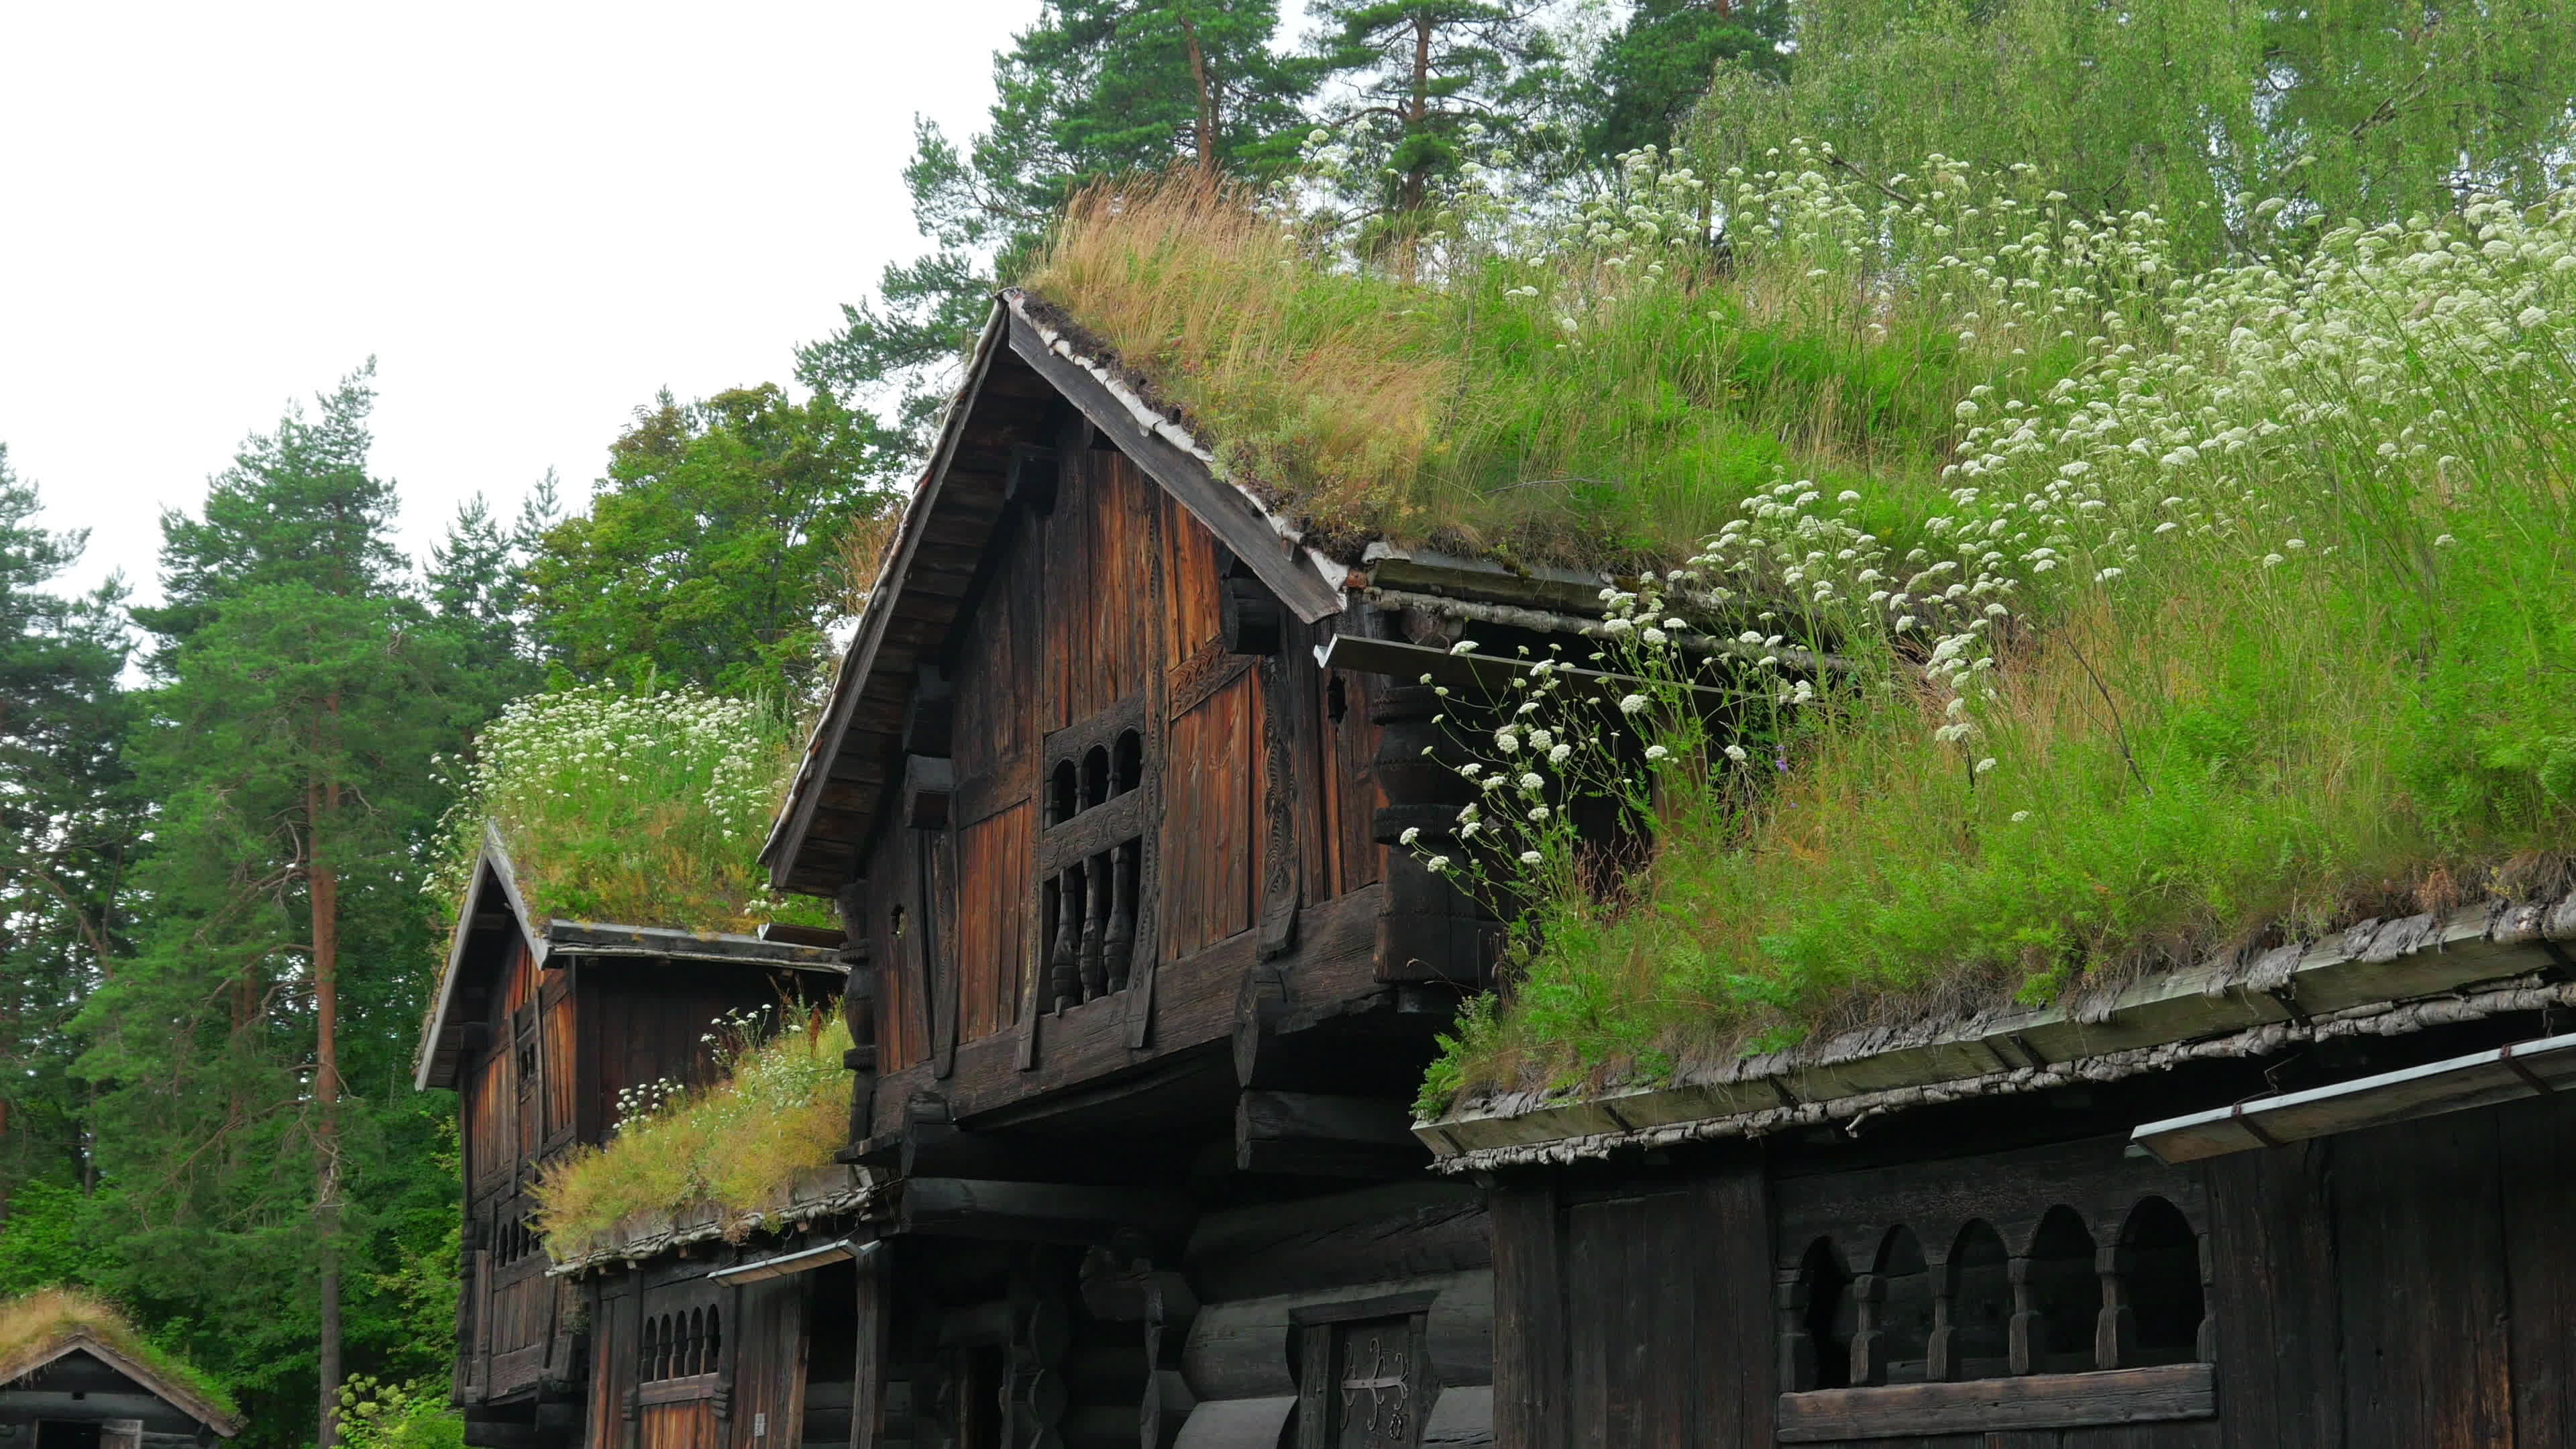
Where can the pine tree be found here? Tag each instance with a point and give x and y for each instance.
(1427, 77)
(69, 826)
(299, 702)
(1093, 89)
(1656, 67)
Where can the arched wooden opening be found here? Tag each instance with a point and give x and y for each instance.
(2060, 1298)
(2160, 1260)
(1978, 1341)
(1821, 1310)
(1895, 1311)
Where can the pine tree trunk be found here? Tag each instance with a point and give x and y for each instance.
(1206, 128)
(323, 802)
(1417, 180)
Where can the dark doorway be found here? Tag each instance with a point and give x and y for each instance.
(66, 1434)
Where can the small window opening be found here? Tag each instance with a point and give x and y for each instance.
(697, 1338)
(2065, 1294)
(1337, 700)
(1061, 803)
(894, 922)
(715, 1337)
(1901, 1310)
(1095, 777)
(1131, 762)
(1828, 1317)
(2163, 1281)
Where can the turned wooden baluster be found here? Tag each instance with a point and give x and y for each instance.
(1118, 948)
(1095, 921)
(1064, 964)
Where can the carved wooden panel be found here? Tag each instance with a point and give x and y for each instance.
(1213, 818)
(993, 957)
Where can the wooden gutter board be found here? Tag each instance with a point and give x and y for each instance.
(2480, 1079)
(1427, 572)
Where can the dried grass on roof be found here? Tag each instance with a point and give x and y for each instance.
(31, 1325)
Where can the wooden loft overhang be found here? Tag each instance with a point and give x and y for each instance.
(80, 1341)
(495, 915)
(2380, 978)
(1027, 359)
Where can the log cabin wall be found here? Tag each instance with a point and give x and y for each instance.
(2407, 1285)
(1090, 682)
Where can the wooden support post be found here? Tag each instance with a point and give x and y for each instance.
(859, 1007)
(1869, 1337)
(2115, 1327)
(1790, 1297)
(1941, 1348)
(2027, 1334)
(867, 1383)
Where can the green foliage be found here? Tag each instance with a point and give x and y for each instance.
(764, 490)
(2369, 111)
(644, 809)
(69, 826)
(1430, 81)
(2247, 623)
(737, 1146)
(375, 1414)
(300, 694)
(1655, 69)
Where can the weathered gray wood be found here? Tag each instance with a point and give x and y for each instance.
(2041, 1401)
(1240, 1350)
(1313, 1134)
(2454, 1084)
(1237, 1423)
(1493, 672)
(1037, 1212)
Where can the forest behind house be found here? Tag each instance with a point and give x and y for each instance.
(1594, 281)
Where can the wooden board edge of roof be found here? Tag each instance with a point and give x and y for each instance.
(492, 862)
(84, 1339)
(2443, 964)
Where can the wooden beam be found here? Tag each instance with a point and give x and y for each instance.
(1992, 1406)
(1037, 1212)
(1408, 663)
(1314, 1135)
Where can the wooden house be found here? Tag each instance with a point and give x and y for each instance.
(73, 1375)
(2311, 1195)
(540, 1025)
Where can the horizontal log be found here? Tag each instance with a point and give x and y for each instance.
(1988, 1406)
(1240, 1350)
(1312, 1134)
(1037, 1212)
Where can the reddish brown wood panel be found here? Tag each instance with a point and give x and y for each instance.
(2419, 1225)
(612, 1364)
(1212, 819)
(903, 1035)
(690, 1424)
(997, 653)
(491, 1132)
(1192, 614)
(769, 1364)
(1351, 794)
(993, 956)
(558, 1040)
(1099, 642)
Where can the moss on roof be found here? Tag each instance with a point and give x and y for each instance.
(32, 1325)
(642, 809)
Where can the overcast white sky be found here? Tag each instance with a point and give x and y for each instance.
(533, 215)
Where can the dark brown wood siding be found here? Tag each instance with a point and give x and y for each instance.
(1212, 819)
(993, 952)
(769, 1364)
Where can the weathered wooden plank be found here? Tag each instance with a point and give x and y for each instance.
(1037, 1212)
(2538, 1169)
(1727, 1243)
(1531, 1327)
(1398, 1230)
(2419, 1233)
(2274, 1298)
(1314, 1134)
(2040, 1401)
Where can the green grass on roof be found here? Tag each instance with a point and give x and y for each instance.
(29, 1324)
(781, 1109)
(639, 809)
(2185, 610)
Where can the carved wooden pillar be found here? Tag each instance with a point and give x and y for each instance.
(2027, 1336)
(2115, 1327)
(2205, 1346)
(859, 1007)
(1792, 1297)
(1941, 1348)
(1118, 948)
(1064, 963)
(1094, 871)
(1869, 1337)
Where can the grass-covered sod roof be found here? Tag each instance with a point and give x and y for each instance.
(642, 809)
(33, 1325)
(2181, 608)
(782, 1108)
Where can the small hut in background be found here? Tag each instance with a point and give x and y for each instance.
(75, 1375)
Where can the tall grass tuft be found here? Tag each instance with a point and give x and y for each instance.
(29, 1322)
(644, 809)
(781, 1108)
